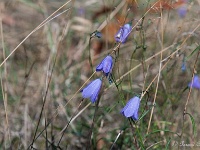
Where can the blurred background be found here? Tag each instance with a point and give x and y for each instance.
(49, 63)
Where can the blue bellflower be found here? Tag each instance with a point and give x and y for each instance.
(182, 8)
(183, 66)
(182, 11)
(92, 90)
(131, 108)
(123, 33)
(195, 83)
(105, 65)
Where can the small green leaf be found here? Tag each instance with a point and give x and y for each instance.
(167, 145)
(193, 124)
(194, 51)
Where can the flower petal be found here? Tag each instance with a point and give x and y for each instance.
(95, 93)
(135, 115)
(86, 92)
(126, 32)
(90, 88)
(182, 11)
(123, 33)
(99, 67)
(196, 82)
(131, 108)
(105, 65)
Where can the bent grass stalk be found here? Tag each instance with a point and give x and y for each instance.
(159, 72)
(65, 128)
(37, 28)
(4, 86)
(56, 112)
(48, 83)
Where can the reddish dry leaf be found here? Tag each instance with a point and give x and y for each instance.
(166, 5)
(161, 5)
(8, 20)
(112, 27)
(109, 32)
(100, 12)
(179, 3)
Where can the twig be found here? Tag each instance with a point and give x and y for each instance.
(4, 86)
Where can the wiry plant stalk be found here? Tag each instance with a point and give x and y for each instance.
(5, 88)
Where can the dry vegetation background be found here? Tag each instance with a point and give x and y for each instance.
(50, 66)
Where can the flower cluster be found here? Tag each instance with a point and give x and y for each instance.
(92, 90)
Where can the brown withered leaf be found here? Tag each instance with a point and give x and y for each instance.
(160, 6)
(8, 20)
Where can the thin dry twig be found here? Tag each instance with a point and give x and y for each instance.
(159, 72)
(37, 28)
(5, 88)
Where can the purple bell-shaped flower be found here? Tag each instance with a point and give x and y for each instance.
(123, 33)
(182, 8)
(195, 83)
(131, 108)
(105, 65)
(92, 90)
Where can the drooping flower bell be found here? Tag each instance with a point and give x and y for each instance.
(131, 108)
(181, 7)
(183, 66)
(123, 33)
(92, 90)
(105, 65)
(195, 83)
(182, 10)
